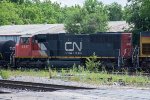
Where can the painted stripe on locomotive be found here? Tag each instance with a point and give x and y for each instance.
(29, 57)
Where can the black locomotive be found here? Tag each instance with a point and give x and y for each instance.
(66, 49)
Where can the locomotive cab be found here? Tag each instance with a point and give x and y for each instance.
(29, 52)
(30, 46)
(23, 48)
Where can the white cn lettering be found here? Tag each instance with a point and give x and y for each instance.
(70, 46)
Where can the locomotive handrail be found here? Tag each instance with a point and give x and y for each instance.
(133, 53)
(135, 56)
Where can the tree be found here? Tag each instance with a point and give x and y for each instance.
(73, 19)
(95, 17)
(52, 12)
(115, 12)
(30, 12)
(137, 14)
(90, 18)
(17, 1)
(9, 14)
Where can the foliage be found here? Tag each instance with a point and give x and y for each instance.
(72, 22)
(92, 64)
(17, 1)
(84, 76)
(115, 12)
(106, 79)
(30, 12)
(137, 14)
(4, 74)
(90, 18)
(9, 14)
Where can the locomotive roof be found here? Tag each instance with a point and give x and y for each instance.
(114, 26)
(114, 33)
(27, 35)
(145, 33)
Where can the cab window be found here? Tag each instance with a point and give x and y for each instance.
(24, 40)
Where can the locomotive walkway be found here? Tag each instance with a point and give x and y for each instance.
(36, 86)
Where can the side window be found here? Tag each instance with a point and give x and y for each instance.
(24, 40)
(34, 41)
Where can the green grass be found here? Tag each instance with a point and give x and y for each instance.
(80, 76)
(39, 73)
(104, 78)
(4, 74)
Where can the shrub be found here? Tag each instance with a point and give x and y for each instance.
(4, 74)
(92, 64)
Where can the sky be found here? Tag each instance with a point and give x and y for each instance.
(80, 2)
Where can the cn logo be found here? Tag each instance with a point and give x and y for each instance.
(70, 46)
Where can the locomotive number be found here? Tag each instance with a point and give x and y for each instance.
(24, 46)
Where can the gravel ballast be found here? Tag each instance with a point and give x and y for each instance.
(102, 92)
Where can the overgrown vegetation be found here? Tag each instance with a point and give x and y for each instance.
(83, 76)
(92, 64)
(105, 78)
(88, 74)
(4, 74)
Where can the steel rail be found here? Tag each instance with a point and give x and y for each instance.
(36, 86)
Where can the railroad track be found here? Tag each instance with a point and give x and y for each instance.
(36, 86)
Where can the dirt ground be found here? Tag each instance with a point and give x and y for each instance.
(95, 94)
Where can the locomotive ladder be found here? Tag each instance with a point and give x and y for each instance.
(121, 59)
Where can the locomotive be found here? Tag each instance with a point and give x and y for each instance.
(113, 49)
(143, 51)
